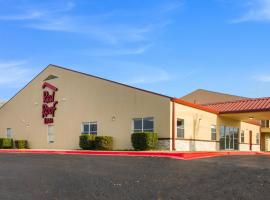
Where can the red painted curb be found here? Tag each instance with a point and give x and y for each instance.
(174, 155)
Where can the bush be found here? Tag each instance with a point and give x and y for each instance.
(104, 143)
(6, 143)
(87, 141)
(21, 144)
(144, 141)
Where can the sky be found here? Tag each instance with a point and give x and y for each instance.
(167, 46)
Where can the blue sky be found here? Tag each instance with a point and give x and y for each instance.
(167, 46)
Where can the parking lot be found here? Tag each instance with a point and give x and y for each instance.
(31, 177)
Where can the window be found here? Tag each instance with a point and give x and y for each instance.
(242, 136)
(213, 132)
(222, 138)
(180, 128)
(265, 123)
(9, 133)
(143, 125)
(89, 128)
(257, 138)
(50, 134)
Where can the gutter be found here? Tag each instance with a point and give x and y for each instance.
(173, 126)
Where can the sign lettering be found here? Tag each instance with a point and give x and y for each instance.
(49, 103)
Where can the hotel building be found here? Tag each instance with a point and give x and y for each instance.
(60, 104)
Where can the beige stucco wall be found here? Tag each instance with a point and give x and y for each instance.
(198, 126)
(246, 127)
(82, 99)
(197, 122)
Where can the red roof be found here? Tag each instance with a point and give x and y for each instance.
(193, 105)
(242, 106)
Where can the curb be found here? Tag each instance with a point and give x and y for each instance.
(173, 155)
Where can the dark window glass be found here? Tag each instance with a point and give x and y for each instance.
(213, 133)
(180, 128)
(143, 124)
(89, 128)
(137, 125)
(86, 128)
(257, 138)
(93, 128)
(222, 138)
(236, 139)
(148, 124)
(242, 136)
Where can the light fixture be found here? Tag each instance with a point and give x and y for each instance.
(113, 118)
(251, 118)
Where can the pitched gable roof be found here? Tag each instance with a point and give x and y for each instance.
(2, 103)
(202, 96)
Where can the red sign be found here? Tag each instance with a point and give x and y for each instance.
(49, 103)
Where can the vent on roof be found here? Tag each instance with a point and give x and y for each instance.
(50, 77)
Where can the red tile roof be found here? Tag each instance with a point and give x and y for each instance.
(242, 106)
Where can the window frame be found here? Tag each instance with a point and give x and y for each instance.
(142, 125)
(178, 128)
(50, 137)
(215, 132)
(265, 123)
(9, 133)
(257, 138)
(89, 124)
(242, 136)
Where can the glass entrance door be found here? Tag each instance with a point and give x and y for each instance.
(229, 138)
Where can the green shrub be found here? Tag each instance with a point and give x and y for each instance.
(6, 143)
(1, 143)
(144, 141)
(21, 144)
(87, 141)
(104, 143)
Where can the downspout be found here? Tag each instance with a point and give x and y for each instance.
(173, 125)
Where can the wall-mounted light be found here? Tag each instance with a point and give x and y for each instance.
(251, 118)
(64, 99)
(113, 118)
(36, 103)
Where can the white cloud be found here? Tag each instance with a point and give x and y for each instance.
(172, 6)
(262, 78)
(124, 51)
(13, 73)
(101, 27)
(38, 13)
(258, 10)
(25, 16)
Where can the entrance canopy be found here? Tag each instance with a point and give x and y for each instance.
(247, 109)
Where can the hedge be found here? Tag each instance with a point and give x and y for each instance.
(144, 141)
(21, 144)
(87, 141)
(104, 143)
(6, 143)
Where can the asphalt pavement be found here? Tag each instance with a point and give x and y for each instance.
(72, 177)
